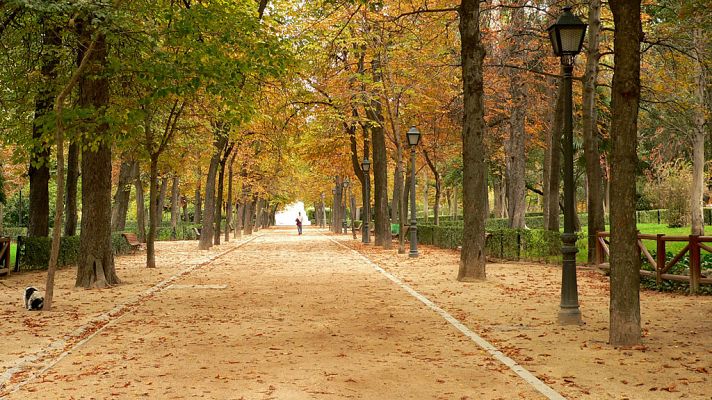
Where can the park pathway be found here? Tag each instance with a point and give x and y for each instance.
(281, 317)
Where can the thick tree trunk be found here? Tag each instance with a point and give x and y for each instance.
(207, 233)
(70, 223)
(472, 257)
(95, 267)
(38, 172)
(247, 218)
(380, 165)
(555, 167)
(698, 138)
(122, 195)
(594, 175)
(516, 154)
(197, 214)
(625, 256)
(154, 210)
(140, 206)
(175, 205)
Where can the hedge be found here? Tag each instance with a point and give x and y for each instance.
(509, 244)
(34, 252)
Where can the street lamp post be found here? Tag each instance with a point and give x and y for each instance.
(366, 166)
(566, 36)
(413, 139)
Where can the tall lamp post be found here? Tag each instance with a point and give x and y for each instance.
(566, 36)
(413, 139)
(366, 166)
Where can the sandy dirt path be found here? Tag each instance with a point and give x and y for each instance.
(282, 317)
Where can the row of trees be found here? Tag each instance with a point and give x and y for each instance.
(244, 104)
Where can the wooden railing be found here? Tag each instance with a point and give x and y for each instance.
(4, 256)
(694, 245)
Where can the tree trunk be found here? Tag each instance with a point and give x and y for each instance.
(399, 200)
(426, 193)
(247, 218)
(207, 233)
(95, 266)
(197, 213)
(594, 175)
(221, 189)
(140, 206)
(162, 198)
(516, 154)
(555, 166)
(238, 220)
(698, 138)
(500, 196)
(122, 195)
(228, 211)
(625, 256)
(154, 210)
(472, 257)
(175, 205)
(380, 165)
(38, 225)
(70, 223)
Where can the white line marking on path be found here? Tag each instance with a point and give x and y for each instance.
(97, 325)
(180, 287)
(535, 382)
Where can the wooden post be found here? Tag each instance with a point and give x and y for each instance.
(600, 257)
(694, 264)
(660, 257)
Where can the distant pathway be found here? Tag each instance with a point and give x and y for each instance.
(282, 317)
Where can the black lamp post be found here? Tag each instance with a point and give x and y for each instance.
(566, 36)
(366, 166)
(413, 139)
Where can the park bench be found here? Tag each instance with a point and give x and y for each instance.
(133, 241)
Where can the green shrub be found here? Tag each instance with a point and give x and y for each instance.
(34, 252)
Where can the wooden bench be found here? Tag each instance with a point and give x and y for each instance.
(133, 241)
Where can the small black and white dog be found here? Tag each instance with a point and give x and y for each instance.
(33, 300)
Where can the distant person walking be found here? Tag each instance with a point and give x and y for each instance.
(299, 223)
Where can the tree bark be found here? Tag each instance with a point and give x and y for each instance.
(70, 223)
(122, 195)
(698, 137)
(154, 210)
(500, 196)
(380, 165)
(221, 186)
(472, 257)
(238, 220)
(140, 206)
(228, 211)
(162, 198)
(175, 204)
(625, 256)
(426, 193)
(197, 213)
(438, 185)
(38, 224)
(207, 232)
(555, 166)
(594, 175)
(516, 154)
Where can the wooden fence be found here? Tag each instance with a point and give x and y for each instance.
(694, 245)
(4, 256)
